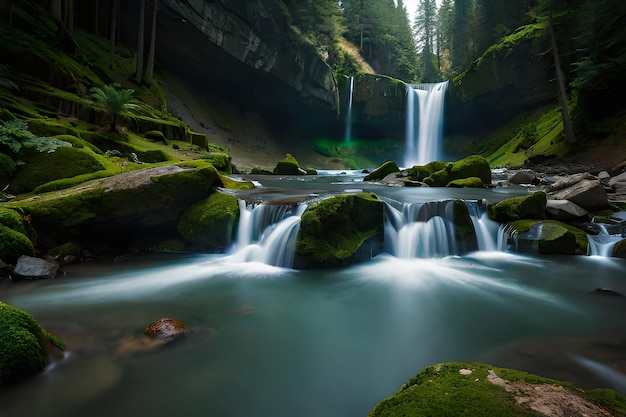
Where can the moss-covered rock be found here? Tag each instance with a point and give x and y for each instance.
(548, 237)
(339, 231)
(288, 166)
(120, 209)
(382, 171)
(211, 223)
(475, 389)
(532, 206)
(24, 345)
(7, 169)
(464, 231)
(41, 168)
(471, 166)
(470, 182)
(13, 245)
(619, 250)
(12, 219)
(67, 253)
(221, 161)
(155, 135)
(233, 184)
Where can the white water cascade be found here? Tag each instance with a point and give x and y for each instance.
(267, 233)
(424, 122)
(602, 244)
(348, 132)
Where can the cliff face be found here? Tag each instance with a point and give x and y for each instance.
(245, 52)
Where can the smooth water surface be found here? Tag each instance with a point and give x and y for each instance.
(271, 341)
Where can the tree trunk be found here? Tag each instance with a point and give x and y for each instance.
(69, 21)
(56, 10)
(140, 41)
(150, 64)
(114, 13)
(560, 78)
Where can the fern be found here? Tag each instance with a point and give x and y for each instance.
(15, 136)
(115, 100)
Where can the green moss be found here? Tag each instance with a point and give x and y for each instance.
(553, 237)
(464, 231)
(155, 135)
(532, 206)
(7, 169)
(12, 219)
(462, 389)
(221, 161)
(13, 244)
(22, 344)
(470, 182)
(210, 223)
(76, 142)
(333, 230)
(41, 168)
(67, 252)
(288, 166)
(232, 184)
(471, 166)
(382, 171)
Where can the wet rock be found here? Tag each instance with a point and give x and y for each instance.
(167, 329)
(29, 267)
(583, 189)
(604, 177)
(564, 210)
(532, 206)
(606, 291)
(619, 250)
(526, 176)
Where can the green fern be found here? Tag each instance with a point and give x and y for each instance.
(15, 136)
(115, 100)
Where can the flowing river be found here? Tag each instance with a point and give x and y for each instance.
(269, 340)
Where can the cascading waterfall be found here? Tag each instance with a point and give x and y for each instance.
(487, 230)
(348, 132)
(602, 244)
(267, 233)
(424, 124)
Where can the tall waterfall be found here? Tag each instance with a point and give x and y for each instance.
(348, 132)
(267, 233)
(424, 122)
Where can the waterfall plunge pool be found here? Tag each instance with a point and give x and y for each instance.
(273, 341)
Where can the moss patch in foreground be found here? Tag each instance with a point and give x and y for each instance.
(22, 344)
(463, 389)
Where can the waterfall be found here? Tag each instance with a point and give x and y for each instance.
(267, 233)
(420, 230)
(423, 144)
(487, 230)
(602, 243)
(348, 132)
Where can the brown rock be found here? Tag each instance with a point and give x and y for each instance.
(167, 329)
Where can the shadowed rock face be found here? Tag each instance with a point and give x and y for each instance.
(245, 52)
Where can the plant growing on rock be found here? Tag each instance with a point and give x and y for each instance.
(15, 136)
(115, 100)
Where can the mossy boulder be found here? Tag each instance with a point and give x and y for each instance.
(120, 209)
(619, 250)
(548, 237)
(476, 389)
(155, 135)
(13, 245)
(471, 166)
(12, 219)
(532, 206)
(464, 231)
(7, 169)
(470, 182)
(41, 168)
(382, 171)
(339, 231)
(210, 223)
(24, 345)
(221, 161)
(288, 166)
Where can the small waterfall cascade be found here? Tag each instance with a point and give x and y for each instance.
(602, 243)
(427, 230)
(267, 233)
(348, 129)
(424, 122)
(487, 230)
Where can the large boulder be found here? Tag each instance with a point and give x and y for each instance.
(339, 231)
(548, 237)
(121, 209)
(583, 189)
(211, 223)
(25, 348)
(476, 389)
(387, 168)
(13, 244)
(532, 206)
(443, 173)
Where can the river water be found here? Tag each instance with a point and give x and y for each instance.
(274, 341)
